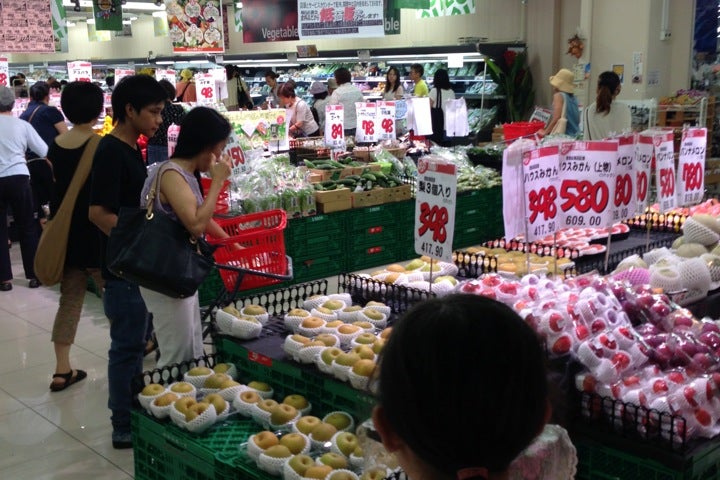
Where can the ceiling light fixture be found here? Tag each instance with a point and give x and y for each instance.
(77, 6)
(152, 7)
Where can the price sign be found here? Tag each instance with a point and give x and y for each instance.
(540, 179)
(691, 182)
(235, 151)
(79, 71)
(435, 208)
(4, 72)
(386, 121)
(665, 171)
(334, 129)
(172, 136)
(168, 75)
(643, 162)
(587, 183)
(205, 87)
(625, 198)
(366, 114)
(121, 73)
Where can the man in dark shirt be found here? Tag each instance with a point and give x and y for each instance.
(157, 148)
(118, 174)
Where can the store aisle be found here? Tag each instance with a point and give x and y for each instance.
(63, 435)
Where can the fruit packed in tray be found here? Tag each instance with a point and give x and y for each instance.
(636, 345)
(653, 218)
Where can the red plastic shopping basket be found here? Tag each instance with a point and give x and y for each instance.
(515, 130)
(262, 238)
(223, 201)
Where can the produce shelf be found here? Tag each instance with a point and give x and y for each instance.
(363, 289)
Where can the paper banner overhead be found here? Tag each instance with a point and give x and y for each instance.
(195, 26)
(107, 15)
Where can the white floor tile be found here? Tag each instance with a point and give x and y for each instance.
(8, 404)
(13, 327)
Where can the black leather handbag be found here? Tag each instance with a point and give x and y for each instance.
(154, 251)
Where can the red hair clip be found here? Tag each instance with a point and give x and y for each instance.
(475, 472)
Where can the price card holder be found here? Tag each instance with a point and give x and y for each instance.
(643, 162)
(121, 73)
(334, 126)
(236, 154)
(205, 87)
(366, 114)
(665, 171)
(4, 72)
(435, 208)
(625, 198)
(691, 165)
(587, 183)
(540, 180)
(168, 75)
(172, 136)
(79, 71)
(386, 121)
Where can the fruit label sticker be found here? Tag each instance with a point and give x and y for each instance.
(435, 208)
(334, 129)
(121, 73)
(79, 71)
(236, 154)
(168, 75)
(625, 198)
(205, 87)
(386, 121)
(691, 175)
(587, 183)
(4, 72)
(540, 179)
(643, 162)
(665, 171)
(366, 114)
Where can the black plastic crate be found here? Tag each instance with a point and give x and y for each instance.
(363, 289)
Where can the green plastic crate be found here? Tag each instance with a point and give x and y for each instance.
(324, 392)
(380, 234)
(374, 256)
(326, 243)
(361, 220)
(302, 228)
(321, 266)
(210, 288)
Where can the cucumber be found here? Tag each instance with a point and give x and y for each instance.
(309, 164)
(346, 182)
(368, 176)
(329, 185)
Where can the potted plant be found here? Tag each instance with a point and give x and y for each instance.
(515, 81)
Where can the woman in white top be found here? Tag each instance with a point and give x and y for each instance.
(440, 94)
(346, 95)
(606, 117)
(393, 88)
(302, 122)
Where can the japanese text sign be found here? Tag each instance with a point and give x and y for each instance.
(205, 87)
(234, 150)
(168, 75)
(386, 120)
(4, 72)
(665, 170)
(79, 71)
(334, 120)
(625, 199)
(540, 179)
(367, 125)
(121, 73)
(435, 208)
(691, 165)
(643, 164)
(340, 18)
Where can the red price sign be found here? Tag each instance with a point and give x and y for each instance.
(642, 186)
(368, 127)
(3, 79)
(237, 156)
(337, 131)
(386, 118)
(623, 190)
(334, 125)
(540, 178)
(435, 208)
(588, 181)
(624, 201)
(667, 182)
(435, 219)
(665, 169)
(692, 166)
(644, 153)
(366, 115)
(542, 202)
(206, 92)
(388, 125)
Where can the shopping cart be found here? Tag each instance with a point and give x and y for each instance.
(253, 256)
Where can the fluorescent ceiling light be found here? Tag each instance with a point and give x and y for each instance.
(127, 22)
(165, 62)
(91, 21)
(238, 4)
(246, 63)
(159, 14)
(69, 24)
(151, 7)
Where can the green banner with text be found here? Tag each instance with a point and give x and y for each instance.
(107, 15)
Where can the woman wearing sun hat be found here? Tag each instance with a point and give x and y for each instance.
(564, 100)
(185, 88)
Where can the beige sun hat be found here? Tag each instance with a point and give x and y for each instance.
(563, 81)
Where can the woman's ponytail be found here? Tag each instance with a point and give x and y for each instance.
(608, 85)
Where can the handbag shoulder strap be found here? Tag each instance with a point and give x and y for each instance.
(438, 98)
(564, 105)
(34, 112)
(81, 173)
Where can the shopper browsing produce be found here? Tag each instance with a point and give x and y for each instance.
(185, 90)
(319, 91)
(157, 148)
(238, 95)
(203, 135)
(346, 95)
(441, 93)
(82, 103)
(393, 88)
(605, 117)
(475, 373)
(272, 100)
(118, 176)
(565, 105)
(302, 122)
(416, 73)
(16, 136)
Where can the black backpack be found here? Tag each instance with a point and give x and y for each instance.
(315, 114)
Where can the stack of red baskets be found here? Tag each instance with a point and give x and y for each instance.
(223, 201)
(515, 130)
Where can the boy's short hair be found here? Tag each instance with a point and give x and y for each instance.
(138, 91)
(418, 68)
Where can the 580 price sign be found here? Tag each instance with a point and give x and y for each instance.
(435, 208)
(540, 184)
(691, 166)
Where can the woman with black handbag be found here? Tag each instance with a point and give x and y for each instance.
(176, 192)
(441, 92)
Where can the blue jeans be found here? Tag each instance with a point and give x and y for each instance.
(125, 308)
(156, 153)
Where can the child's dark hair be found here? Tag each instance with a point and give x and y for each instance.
(169, 88)
(608, 84)
(271, 74)
(390, 87)
(39, 91)
(441, 80)
(342, 75)
(82, 102)
(418, 68)
(202, 128)
(287, 90)
(138, 91)
(466, 368)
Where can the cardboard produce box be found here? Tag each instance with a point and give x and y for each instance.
(370, 198)
(398, 194)
(336, 206)
(328, 196)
